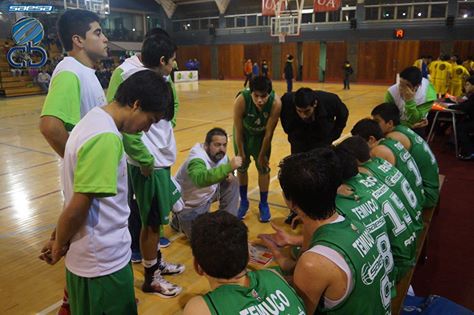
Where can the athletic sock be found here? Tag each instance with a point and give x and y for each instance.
(263, 197)
(159, 258)
(149, 263)
(150, 271)
(243, 192)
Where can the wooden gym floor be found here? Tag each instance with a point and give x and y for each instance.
(30, 198)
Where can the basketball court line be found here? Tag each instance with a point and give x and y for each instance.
(34, 198)
(36, 229)
(34, 113)
(29, 167)
(200, 120)
(205, 122)
(191, 127)
(27, 149)
(50, 308)
(354, 96)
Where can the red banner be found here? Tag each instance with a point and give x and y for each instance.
(326, 5)
(268, 7)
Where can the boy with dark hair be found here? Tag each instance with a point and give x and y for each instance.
(92, 228)
(150, 156)
(205, 177)
(74, 88)
(331, 275)
(256, 113)
(234, 290)
(391, 151)
(363, 198)
(387, 116)
(414, 96)
(385, 173)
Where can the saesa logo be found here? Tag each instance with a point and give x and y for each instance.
(27, 33)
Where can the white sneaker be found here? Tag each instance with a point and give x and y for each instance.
(161, 287)
(167, 268)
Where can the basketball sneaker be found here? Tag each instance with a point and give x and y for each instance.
(164, 242)
(167, 268)
(136, 257)
(244, 207)
(156, 284)
(264, 210)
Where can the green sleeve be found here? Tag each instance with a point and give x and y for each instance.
(415, 113)
(388, 98)
(114, 83)
(202, 177)
(136, 149)
(96, 166)
(431, 94)
(176, 103)
(64, 99)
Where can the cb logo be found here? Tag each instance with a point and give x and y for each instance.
(27, 33)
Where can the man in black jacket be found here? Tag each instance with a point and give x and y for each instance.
(288, 74)
(312, 119)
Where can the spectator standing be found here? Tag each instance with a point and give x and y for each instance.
(255, 69)
(288, 74)
(347, 68)
(264, 68)
(247, 71)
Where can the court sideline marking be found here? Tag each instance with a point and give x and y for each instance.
(51, 308)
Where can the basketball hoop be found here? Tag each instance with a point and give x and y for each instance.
(281, 37)
(101, 7)
(287, 19)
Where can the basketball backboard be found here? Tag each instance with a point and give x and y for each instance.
(101, 7)
(287, 19)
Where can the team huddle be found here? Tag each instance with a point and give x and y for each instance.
(359, 203)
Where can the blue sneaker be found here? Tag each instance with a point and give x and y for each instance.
(244, 207)
(164, 242)
(264, 210)
(136, 257)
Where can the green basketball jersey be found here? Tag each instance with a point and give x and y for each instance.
(361, 207)
(407, 166)
(375, 203)
(267, 293)
(255, 121)
(400, 229)
(426, 162)
(369, 259)
(391, 176)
